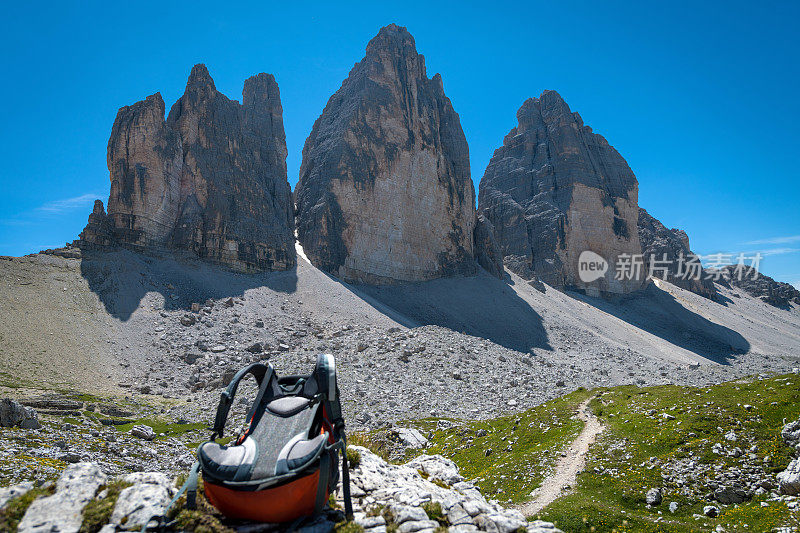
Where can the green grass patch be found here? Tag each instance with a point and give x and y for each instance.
(651, 430)
(434, 512)
(348, 527)
(169, 429)
(12, 513)
(98, 511)
(521, 448)
(353, 457)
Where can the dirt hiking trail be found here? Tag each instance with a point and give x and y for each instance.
(568, 467)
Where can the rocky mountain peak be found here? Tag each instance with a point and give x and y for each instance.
(200, 79)
(211, 178)
(393, 41)
(659, 244)
(385, 193)
(259, 89)
(556, 189)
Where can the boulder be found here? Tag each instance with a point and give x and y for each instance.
(653, 497)
(791, 434)
(731, 494)
(555, 189)
(411, 438)
(63, 511)
(437, 468)
(789, 479)
(667, 255)
(147, 497)
(143, 432)
(385, 193)
(210, 179)
(14, 414)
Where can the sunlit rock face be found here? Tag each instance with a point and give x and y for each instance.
(553, 190)
(385, 193)
(210, 179)
(144, 162)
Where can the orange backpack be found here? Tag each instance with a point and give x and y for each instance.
(286, 464)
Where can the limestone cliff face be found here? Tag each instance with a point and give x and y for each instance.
(385, 193)
(663, 248)
(144, 161)
(235, 199)
(555, 189)
(210, 179)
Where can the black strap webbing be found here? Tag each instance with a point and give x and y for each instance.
(334, 408)
(260, 371)
(322, 486)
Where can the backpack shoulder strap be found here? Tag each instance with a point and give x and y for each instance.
(262, 373)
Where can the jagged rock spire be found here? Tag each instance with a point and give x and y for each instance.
(555, 189)
(385, 193)
(211, 178)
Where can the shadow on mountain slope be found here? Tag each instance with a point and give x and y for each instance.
(659, 313)
(481, 306)
(121, 278)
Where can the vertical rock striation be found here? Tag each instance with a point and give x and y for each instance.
(144, 161)
(210, 179)
(385, 193)
(235, 200)
(555, 189)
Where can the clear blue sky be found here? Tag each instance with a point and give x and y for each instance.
(702, 100)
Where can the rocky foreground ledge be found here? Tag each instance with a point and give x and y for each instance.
(425, 495)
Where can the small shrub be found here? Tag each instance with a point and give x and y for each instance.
(98, 512)
(434, 512)
(375, 510)
(199, 522)
(348, 527)
(204, 519)
(440, 483)
(375, 442)
(332, 503)
(353, 457)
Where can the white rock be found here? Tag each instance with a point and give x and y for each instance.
(138, 504)
(14, 491)
(412, 438)
(14, 414)
(152, 478)
(405, 513)
(437, 467)
(412, 526)
(63, 511)
(789, 479)
(710, 511)
(143, 432)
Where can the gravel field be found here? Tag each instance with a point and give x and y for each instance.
(121, 323)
